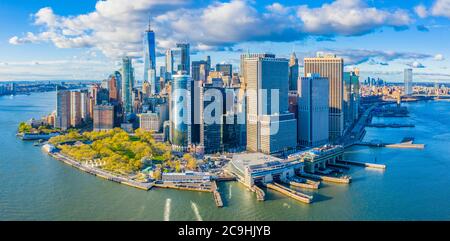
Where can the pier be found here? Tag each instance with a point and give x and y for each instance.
(290, 193)
(304, 183)
(364, 164)
(260, 194)
(216, 195)
(394, 125)
(184, 186)
(339, 180)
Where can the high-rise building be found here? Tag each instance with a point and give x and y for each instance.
(225, 69)
(85, 105)
(62, 120)
(351, 97)
(102, 96)
(127, 85)
(146, 89)
(149, 53)
(180, 111)
(313, 110)
(169, 63)
(211, 132)
(75, 108)
(150, 121)
(408, 77)
(331, 67)
(113, 88)
(269, 123)
(251, 55)
(200, 70)
(293, 72)
(103, 117)
(185, 56)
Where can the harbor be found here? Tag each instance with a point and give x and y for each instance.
(51, 186)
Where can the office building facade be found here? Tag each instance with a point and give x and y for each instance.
(127, 85)
(331, 67)
(268, 119)
(293, 72)
(313, 110)
(180, 112)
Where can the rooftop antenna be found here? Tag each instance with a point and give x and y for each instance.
(149, 23)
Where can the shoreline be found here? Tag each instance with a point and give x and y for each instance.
(101, 173)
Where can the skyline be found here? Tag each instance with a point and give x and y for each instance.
(49, 40)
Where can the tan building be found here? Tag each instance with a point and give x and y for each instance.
(331, 67)
(103, 117)
(75, 108)
(150, 122)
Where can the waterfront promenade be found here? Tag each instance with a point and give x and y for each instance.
(101, 173)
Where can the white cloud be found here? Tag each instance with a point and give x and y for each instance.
(115, 27)
(421, 11)
(439, 57)
(441, 8)
(374, 57)
(349, 17)
(416, 64)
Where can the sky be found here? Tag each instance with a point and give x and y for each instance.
(84, 40)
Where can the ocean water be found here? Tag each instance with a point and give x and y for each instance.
(415, 185)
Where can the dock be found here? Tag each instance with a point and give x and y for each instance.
(216, 195)
(406, 146)
(183, 186)
(364, 164)
(339, 180)
(382, 125)
(260, 194)
(290, 193)
(304, 183)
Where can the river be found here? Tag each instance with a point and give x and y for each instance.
(415, 185)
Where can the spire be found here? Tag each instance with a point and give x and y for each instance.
(149, 24)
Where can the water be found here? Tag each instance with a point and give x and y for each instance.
(415, 186)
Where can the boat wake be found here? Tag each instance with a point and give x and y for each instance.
(196, 212)
(167, 209)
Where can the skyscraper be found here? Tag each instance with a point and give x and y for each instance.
(200, 70)
(251, 55)
(408, 77)
(313, 110)
(351, 97)
(85, 105)
(180, 112)
(75, 108)
(211, 132)
(269, 124)
(331, 67)
(127, 85)
(169, 63)
(225, 69)
(62, 120)
(103, 117)
(149, 52)
(184, 63)
(293, 72)
(113, 88)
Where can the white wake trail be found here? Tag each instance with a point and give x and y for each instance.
(167, 209)
(196, 212)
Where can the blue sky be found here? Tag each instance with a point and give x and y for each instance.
(47, 40)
